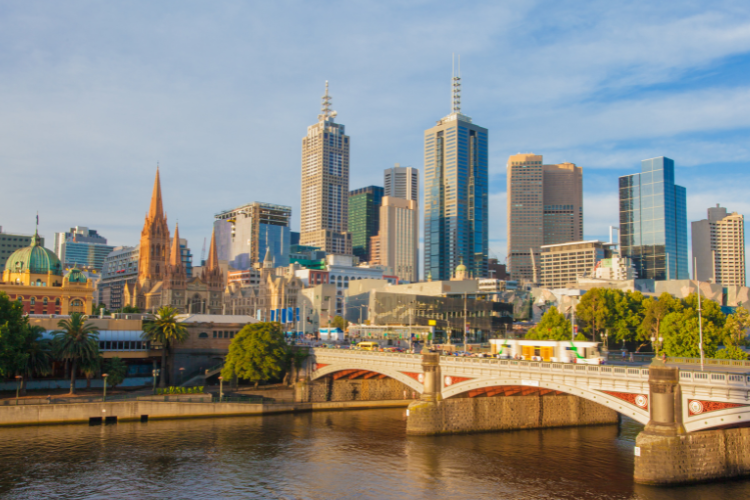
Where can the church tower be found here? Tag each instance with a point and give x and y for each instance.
(154, 248)
(176, 276)
(213, 276)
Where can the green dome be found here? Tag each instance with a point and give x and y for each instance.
(76, 276)
(34, 258)
(460, 267)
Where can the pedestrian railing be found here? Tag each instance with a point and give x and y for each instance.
(167, 398)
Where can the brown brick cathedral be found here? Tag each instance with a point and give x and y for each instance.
(162, 279)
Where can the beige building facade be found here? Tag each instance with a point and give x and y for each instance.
(719, 247)
(545, 207)
(324, 211)
(398, 239)
(561, 264)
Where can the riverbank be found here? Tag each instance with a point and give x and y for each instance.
(143, 410)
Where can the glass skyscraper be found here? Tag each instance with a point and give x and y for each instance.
(455, 195)
(364, 218)
(653, 221)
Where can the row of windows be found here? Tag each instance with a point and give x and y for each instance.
(123, 345)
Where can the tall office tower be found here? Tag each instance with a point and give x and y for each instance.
(455, 194)
(82, 247)
(653, 221)
(243, 234)
(719, 247)
(402, 182)
(545, 207)
(398, 239)
(325, 184)
(364, 219)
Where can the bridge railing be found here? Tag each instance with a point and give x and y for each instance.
(715, 378)
(357, 352)
(711, 362)
(549, 367)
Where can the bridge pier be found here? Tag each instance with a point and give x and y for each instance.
(666, 454)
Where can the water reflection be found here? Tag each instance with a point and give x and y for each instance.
(358, 454)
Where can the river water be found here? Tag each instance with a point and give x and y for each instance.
(332, 455)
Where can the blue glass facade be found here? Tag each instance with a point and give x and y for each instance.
(653, 221)
(456, 192)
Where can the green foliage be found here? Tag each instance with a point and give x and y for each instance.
(581, 338)
(96, 309)
(655, 312)
(553, 326)
(166, 330)
(735, 327)
(339, 322)
(77, 341)
(116, 369)
(129, 310)
(257, 353)
(12, 325)
(36, 353)
(594, 310)
(731, 352)
(165, 391)
(680, 330)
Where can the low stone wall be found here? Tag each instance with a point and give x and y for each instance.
(327, 389)
(49, 414)
(462, 415)
(689, 458)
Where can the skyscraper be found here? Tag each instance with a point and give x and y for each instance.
(402, 182)
(719, 247)
(82, 247)
(364, 218)
(244, 233)
(325, 184)
(653, 221)
(398, 238)
(455, 207)
(545, 207)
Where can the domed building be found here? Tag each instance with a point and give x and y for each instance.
(34, 276)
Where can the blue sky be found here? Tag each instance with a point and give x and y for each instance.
(93, 94)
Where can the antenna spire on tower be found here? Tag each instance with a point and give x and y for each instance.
(456, 83)
(325, 109)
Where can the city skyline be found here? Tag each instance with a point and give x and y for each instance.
(103, 137)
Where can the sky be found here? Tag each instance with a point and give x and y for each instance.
(94, 94)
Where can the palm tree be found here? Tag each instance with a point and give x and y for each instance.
(166, 330)
(37, 354)
(78, 342)
(89, 368)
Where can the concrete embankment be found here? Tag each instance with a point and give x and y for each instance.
(49, 414)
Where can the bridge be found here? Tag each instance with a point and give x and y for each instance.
(676, 401)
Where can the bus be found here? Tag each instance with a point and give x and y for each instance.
(556, 351)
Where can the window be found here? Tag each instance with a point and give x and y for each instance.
(33, 301)
(44, 301)
(203, 335)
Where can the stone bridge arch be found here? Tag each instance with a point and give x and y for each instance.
(409, 379)
(632, 404)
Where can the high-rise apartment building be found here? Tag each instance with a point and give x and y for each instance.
(545, 207)
(653, 221)
(562, 263)
(120, 268)
(82, 247)
(398, 239)
(364, 219)
(325, 184)
(455, 198)
(402, 182)
(244, 233)
(719, 247)
(9, 243)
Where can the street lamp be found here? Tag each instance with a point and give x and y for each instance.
(221, 388)
(155, 373)
(606, 346)
(18, 386)
(104, 396)
(182, 372)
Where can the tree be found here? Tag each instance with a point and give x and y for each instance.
(627, 315)
(731, 352)
(655, 311)
(257, 353)
(12, 324)
(553, 326)
(166, 330)
(735, 327)
(77, 342)
(90, 368)
(594, 310)
(129, 310)
(36, 355)
(339, 322)
(116, 369)
(98, 308)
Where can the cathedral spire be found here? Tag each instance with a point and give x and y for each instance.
(175, 258)
(157, 209)
(213, 258)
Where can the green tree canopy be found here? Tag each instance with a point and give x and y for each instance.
(339, 322)
(116, 369)
(553, 326)
(77, 341)
(595, 310)
(680, 330)
(166, 330)
(12, 325)
(257, 353)
(735, 328)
